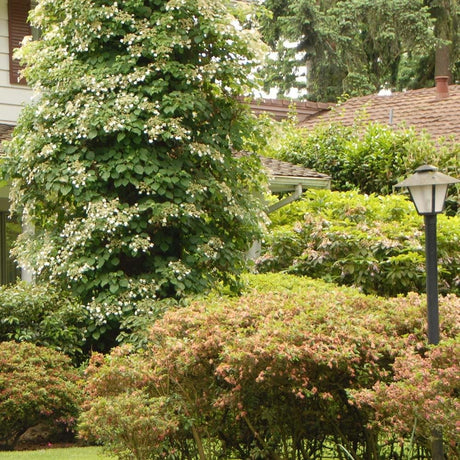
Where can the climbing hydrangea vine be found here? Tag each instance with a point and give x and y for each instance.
(124, 163)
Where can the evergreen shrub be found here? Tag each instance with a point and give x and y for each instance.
(372, 242)
(368, 156)
(292, 369)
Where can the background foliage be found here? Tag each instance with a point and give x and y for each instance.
(368, 156)
(372, 242)
(124, 163)
(357, 47)
(42, 315)
(295, 368)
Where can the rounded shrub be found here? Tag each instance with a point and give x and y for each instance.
(37, 385)
(281, 372)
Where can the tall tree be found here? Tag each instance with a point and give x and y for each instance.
(123, 164)
(447, 53)
(419, 70)
(355, 46)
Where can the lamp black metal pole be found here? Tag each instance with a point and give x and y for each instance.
(431, 252)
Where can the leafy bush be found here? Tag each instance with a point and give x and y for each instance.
(374, 243)
(436, 378)
(37, 385)
(43, 315)
(276, 373)
(369, 157)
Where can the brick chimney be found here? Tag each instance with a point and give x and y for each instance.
(442, 87)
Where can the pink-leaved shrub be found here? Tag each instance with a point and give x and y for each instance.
(295, 368)
(37, 385)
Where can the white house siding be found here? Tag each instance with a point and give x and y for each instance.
(12, 97)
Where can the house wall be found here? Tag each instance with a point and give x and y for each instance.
(12, 97)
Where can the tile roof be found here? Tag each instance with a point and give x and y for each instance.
(280, 109)
(286, 169)
(285, 177)
(440, 117)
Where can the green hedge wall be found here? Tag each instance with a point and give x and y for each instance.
(369, 157)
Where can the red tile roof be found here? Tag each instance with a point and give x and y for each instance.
(420, 108)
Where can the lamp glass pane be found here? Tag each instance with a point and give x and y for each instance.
(441, 193)
(422, 196)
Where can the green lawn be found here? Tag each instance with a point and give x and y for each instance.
(68, 453)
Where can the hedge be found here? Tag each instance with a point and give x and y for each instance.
(368, 156)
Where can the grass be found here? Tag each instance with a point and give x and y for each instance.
(67, 453)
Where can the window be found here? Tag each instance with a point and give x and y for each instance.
(18, 28)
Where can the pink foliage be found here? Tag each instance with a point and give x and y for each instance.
(274, 369)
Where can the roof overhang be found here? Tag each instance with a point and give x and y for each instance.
(285, 177)
(281, 109)
(280, 184)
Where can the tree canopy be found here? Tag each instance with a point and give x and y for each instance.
(357, 47)
(124, 163)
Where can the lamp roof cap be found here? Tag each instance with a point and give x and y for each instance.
(427, 175)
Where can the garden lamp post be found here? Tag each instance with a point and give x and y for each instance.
(428, 190)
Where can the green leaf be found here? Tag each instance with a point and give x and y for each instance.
(65, 189)
(92, 133)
